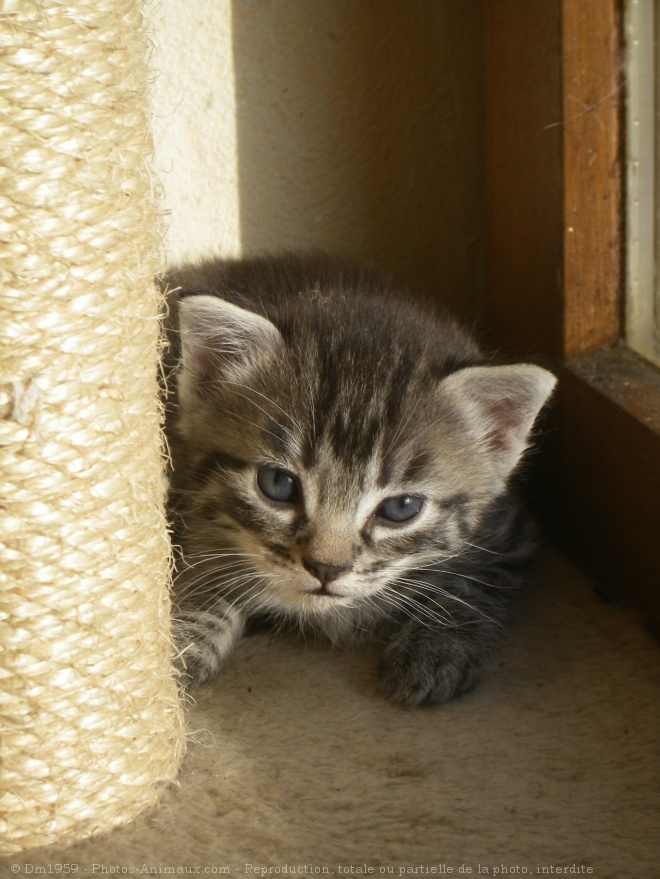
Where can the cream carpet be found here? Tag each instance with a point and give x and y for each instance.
(551, 767)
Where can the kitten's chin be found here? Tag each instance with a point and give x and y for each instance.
(306, 596)
(324, 590)
(301, 593)
(310, 592)
(323, 604)
(323, 599)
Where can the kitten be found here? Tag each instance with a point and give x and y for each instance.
(342, 460)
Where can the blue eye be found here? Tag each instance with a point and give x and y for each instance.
(278, 485)
(400, 509)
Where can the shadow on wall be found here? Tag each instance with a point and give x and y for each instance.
(359, 130)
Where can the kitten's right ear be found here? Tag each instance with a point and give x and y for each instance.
(221, 340)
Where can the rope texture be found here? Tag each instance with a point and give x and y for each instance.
(90, 721)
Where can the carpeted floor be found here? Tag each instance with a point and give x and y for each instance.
(551, 767)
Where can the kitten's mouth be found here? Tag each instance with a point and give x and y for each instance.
(323, 590)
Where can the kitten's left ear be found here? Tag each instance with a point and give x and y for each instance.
(221, 340)
(501, 404)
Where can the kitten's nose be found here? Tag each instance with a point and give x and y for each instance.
(323, 571)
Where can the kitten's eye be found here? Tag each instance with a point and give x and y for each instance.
(278, 485)
(400, 509)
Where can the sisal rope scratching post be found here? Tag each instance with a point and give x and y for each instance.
(90, 721)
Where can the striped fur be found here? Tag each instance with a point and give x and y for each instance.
(341, 462)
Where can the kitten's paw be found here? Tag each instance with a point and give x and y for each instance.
(202, 640)
(422, 667)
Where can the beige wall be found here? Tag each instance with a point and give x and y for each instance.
(353, 125)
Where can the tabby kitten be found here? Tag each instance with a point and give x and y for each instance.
(342, 460)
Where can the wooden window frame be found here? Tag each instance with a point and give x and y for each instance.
(556, 272)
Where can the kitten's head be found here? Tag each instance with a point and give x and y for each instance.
(325, 453)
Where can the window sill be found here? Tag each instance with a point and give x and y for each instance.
(610, 461)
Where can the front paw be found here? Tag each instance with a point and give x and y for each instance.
(202, 641)
(422, 666)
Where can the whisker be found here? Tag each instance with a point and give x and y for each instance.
(469, 577)
(411, 608)
(423, 588)
(259, 427)
(399, 431)
(193, 584)
(267, 399)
